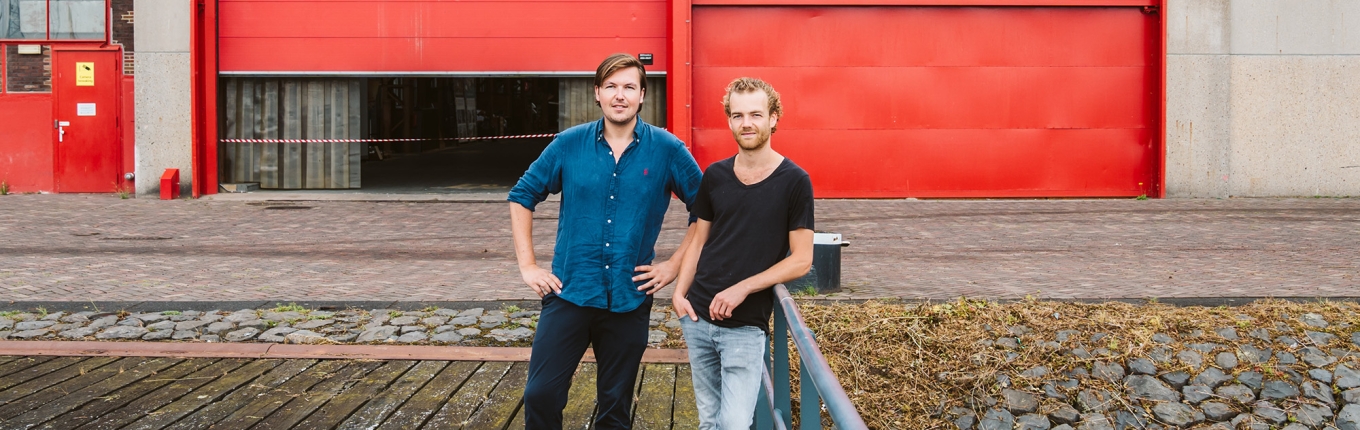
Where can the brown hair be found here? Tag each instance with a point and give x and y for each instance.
(616, 63)
(750, 85)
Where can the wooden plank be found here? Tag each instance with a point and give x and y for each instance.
(656, 398)
(269, 350)
(337, 161)
(468, 397)
(216, 410)
(179, 386)
(15, 365)
(269, 155)
(499, 407)
(685, 415)
(72, 378)
(103, 405)
(344, 403)
(56, 401)
(314, 154)
(250, 129)
(231, 124)
(580, 410)
(256, 149)
(290, 162)
(518, 422)
(203, 395)
(356, 121)
(6, 359)
(267, 402)
(48, 374)
(428, 400)
(377, 410)
(300, 407)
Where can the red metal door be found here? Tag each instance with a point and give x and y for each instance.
(899, 101)
(85, 113)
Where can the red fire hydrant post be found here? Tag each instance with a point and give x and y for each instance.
(170, 184)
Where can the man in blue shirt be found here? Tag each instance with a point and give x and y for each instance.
(616, 176)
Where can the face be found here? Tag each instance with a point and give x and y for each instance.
(621, 95)
(751, 120)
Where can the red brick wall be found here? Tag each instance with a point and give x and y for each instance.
(28, 73)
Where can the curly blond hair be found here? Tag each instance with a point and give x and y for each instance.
(749, 85)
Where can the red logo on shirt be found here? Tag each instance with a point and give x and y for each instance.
(644, 172)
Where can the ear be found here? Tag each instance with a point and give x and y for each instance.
(597, 96)
(774, 120)
(642, 95)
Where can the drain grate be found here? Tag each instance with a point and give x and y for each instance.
(286, 207)
(136, 238)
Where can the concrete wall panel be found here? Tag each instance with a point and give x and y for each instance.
(164, 130)
(1295, 27)
(1295, 125)
(1198, 126)
(162, 25)
(1197, 27)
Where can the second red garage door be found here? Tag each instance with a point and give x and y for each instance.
(944, 101)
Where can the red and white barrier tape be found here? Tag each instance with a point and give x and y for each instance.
(522, 136)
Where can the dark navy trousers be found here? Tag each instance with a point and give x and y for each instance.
(560, 340)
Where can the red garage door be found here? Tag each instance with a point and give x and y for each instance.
(944, 101)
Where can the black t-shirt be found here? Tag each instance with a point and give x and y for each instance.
(749, 234)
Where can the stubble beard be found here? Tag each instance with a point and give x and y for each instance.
(762, 139)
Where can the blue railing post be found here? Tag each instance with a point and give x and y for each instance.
(810, 416)
(817, 382)
(782, 391)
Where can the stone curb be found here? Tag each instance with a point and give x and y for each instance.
(261, 350)
(326, 305)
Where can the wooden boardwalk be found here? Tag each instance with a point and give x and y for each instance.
(197, 393)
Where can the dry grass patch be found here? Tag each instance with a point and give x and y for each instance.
(905, 364)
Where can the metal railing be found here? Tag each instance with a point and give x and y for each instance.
(819, 384)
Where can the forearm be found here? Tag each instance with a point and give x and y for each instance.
(522, 227)
(689, 263)
(788, 269)
(686, 244)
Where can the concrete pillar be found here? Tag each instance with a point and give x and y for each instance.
(1295, 98)
(1263, 98)
(1198, 145)
(163, 94)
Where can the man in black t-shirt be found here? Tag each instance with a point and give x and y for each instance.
(754, 231)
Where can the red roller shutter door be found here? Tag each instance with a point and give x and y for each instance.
(944, 101)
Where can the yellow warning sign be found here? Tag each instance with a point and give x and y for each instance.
(85, 74)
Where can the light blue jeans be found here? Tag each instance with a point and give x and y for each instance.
(726, 364)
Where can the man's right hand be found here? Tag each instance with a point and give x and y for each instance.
(541, 280)
(683, 308)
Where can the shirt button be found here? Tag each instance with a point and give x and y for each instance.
(606, 266)
(616, 174)
(609, 221)
(606, 245)
(611, 197)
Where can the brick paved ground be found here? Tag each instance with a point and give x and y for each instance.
(100, 248)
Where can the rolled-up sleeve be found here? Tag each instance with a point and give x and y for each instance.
(685, 178)
(544, 177)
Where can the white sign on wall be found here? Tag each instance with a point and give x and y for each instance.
(84, 109)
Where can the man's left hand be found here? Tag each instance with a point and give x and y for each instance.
(657, 275)
(726, 301)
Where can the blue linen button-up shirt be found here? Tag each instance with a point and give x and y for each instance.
(611, 212)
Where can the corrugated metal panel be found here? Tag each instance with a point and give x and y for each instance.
(942, 101)
(441, 36)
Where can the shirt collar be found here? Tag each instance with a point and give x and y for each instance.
(638, 129)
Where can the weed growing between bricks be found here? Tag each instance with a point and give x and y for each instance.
(1039, 365)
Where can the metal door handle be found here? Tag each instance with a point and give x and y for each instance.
(61, 131)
